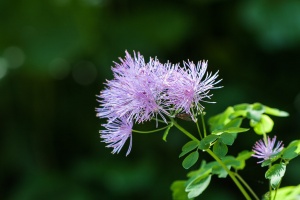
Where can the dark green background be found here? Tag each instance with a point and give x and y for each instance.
(55, 56)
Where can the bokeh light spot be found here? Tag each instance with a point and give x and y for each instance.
(15, 56)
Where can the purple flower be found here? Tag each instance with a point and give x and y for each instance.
(135, 92)
(266, 149)
(142, 91)
(190, 87)
(117, 133)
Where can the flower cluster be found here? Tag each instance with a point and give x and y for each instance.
(141, 91)
(266, 149)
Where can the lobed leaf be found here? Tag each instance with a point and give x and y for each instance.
(265, 125)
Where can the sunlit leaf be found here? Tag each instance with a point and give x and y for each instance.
(275, 112)
(265, 125)
(243, 106)
(178, 190)
(219, 121)
(286, 193)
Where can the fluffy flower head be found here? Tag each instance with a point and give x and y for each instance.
(117, 133)
(191, 86)
(266, 149)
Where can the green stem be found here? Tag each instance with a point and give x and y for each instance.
(276, 190)
(199, 131)
(230, 174)
(270, 187)
(203, 124)
(183, 130)
(153, 131)
(246, 185)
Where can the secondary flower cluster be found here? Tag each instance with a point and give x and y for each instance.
(141, 91)
(265, 150)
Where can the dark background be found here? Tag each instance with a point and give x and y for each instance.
(55, 56)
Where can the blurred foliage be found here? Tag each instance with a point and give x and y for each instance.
(55, 55)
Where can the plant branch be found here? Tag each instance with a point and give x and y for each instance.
(237, 183)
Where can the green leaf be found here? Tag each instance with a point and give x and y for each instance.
(166, 133)
(243, 106)
(291, 151)
(266, 163)
(236, 130)
(256, 112)
(275, 112)
(190, 160)
(242, 157)
(231, 161)
(236, 122)
(188, 147)
(265, 125)
(196, 189)
(237, 114)
(206, 142)
(219, 121)
(227, 138)
(286, 193)
(178, 190)
(229, 130)
(275, 173)
(220, 149)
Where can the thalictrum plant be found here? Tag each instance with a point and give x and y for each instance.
(169, 93)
